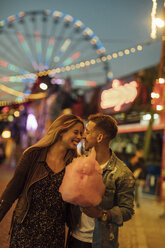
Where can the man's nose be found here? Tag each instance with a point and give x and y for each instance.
(84, 135)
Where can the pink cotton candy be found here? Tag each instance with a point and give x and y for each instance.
(82, 183)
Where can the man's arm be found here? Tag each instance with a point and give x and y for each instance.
(94, 212)
(123, 210)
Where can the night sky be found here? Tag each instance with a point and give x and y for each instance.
(119, 24)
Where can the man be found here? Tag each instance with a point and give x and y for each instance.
(117, 202)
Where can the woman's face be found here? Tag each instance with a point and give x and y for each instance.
(73, 136)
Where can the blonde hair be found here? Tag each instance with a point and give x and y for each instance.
(60, 125)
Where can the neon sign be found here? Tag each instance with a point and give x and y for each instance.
(119, 95)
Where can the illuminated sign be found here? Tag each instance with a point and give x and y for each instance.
(158, 95)
(119, 96)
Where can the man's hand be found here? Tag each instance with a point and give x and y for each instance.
(92, 212)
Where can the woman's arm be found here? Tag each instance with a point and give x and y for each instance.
(16, 184)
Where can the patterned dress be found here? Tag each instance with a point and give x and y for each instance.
(44, 225)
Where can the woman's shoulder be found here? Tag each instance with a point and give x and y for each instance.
(33, 150)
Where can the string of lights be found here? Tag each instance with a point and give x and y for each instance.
(31, 77)
(82, 64)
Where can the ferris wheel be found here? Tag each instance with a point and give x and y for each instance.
(49, 44)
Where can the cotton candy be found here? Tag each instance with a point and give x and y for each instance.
(82, 183)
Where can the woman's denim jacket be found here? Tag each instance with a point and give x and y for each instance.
(119, 198)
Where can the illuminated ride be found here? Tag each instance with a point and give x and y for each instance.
(47, 45)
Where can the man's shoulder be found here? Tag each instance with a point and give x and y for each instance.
(118, 161)
(121, 166)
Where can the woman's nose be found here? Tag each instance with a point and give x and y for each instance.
(79, 136)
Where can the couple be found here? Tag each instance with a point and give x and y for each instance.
(40, 214)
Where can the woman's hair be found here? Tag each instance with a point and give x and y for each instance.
(106, 124)
(59, 126)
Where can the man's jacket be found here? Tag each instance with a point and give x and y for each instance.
(119, 198)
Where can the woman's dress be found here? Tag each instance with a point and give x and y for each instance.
(44, 225)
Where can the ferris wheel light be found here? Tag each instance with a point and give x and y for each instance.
(65, 45)
(78, 24)
(76, 55)
(56, 59)
(68, 18)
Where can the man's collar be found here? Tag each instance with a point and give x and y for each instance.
(110, 164)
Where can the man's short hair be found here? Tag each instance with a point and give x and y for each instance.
(106, 124)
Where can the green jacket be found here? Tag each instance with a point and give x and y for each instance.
(119, 198)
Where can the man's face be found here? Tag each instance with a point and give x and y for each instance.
(90, 136)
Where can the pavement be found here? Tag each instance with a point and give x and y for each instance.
(145, 230)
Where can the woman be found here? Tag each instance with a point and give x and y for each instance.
(39, 216)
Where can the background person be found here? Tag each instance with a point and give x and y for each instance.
(39, 216)
(137, 165)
